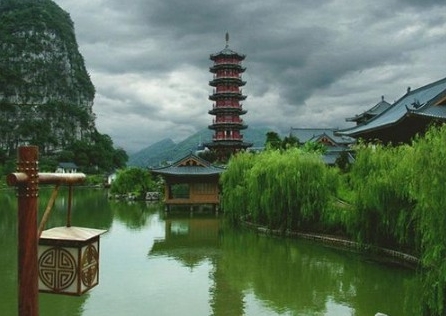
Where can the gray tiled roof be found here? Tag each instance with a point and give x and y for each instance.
(229, 52)
(375, 110)
(420, 101)
(313, 134)
(177, 169)
(189, 171)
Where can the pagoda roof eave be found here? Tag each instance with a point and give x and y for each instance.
(225, 143)
(227, 110)
(227, 52)
(217, 96)
(236, 81)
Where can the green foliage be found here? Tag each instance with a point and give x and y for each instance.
(342, 162)
(235, 186)
(96, 157)
(281, 189)
(94, 180)
(384, 213)
(314, 147)
(133, 180)
(427, 187)
(273, 141)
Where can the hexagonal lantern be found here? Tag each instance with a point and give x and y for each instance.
(68, 260)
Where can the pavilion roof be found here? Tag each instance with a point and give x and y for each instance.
(191, 165)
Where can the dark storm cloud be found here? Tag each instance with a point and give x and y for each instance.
(309, 63)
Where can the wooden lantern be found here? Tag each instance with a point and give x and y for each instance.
(68, 260)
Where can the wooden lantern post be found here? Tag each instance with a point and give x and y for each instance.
(27, 179)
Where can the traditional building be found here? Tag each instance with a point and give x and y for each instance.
(191, 181)
(371, 113)
(227, 107)
(335, 145)
(412, 114)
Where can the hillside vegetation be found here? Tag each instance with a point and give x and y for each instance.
(46, 95)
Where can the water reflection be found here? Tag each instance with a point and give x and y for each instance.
(133, 214)
(287, 276)
(189, 240)
(303, 278)
(150, 259)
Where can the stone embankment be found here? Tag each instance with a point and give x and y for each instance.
(339, 242)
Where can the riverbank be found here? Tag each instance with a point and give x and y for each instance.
(387, 256)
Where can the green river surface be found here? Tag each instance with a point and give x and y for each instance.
(152, 263)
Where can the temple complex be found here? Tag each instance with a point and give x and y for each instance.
(409, 116)
(227, 107)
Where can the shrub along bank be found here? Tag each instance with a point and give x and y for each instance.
(396, 194)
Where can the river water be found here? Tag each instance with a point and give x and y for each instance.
(152, 263)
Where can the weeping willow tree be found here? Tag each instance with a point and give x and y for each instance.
(429, 178)
(400, 202)
(281, 189)
(234, 184)
(384, 210)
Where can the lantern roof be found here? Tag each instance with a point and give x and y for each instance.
(71, 233)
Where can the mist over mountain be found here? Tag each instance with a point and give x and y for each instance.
(166, 150)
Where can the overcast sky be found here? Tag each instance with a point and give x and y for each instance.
(310, 63)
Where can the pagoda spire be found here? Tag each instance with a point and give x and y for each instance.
(227, 39)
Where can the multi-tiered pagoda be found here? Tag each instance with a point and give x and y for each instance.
(227, 107)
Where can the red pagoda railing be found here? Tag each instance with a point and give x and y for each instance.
(223, 121)
(218, 76)
(217, 138)
(233, 106)
(231, 61)
(227, 90)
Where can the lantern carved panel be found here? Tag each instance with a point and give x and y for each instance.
(69, 260)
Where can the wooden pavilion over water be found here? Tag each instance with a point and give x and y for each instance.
(191, 181)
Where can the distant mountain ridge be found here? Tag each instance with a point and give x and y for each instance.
(167, 150)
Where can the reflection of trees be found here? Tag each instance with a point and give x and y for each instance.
(301, 277)
(133, 214)
(90, 207)
(226, 299)
(189, 240)
(192, 241)
(8, 246)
